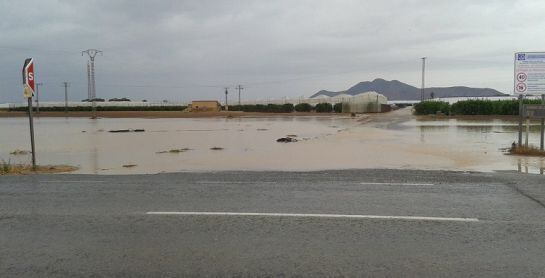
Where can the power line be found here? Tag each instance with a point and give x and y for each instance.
(239, 88)
(92, 53)
(38, 96)
(226, 104)
(423, 78)
(66, 85)
(60, 51)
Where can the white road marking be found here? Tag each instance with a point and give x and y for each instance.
(62, 181)
(394, 183)
(356, 216)
(233, 182)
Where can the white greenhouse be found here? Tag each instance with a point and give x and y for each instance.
(368, 102)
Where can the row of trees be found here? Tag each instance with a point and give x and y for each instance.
(472, 107)
(103, 100)
(269, 108)
(104, 108)
(288, 108)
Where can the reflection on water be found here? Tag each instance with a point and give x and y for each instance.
(493, 136)
(524, 165)
(250, 144)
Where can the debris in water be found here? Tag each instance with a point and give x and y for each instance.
(291, 135)
(286, 140)
(176, 150)
(129, 165)
(262, 129)
(216, 148)
(20, 152)
(126, 130)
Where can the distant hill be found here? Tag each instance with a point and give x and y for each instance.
(396, 90)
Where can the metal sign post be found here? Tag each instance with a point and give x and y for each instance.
(28, 92)
(529, 79)
(542, 125)
(521, 117)
(536, 111)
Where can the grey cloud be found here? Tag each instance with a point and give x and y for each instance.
(182, 50)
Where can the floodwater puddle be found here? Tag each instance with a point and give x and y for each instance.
(390, 140)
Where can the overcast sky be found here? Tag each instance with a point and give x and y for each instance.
(183, 50)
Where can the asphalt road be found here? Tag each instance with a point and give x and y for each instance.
(378, 223)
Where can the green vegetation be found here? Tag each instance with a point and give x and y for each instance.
(338, 107)
(119, 99)
(472, 107)
(95, 99)
(527, 151)
(269, 108)
(5, 167)
(104, 108)
(323, 108)
(431, 107)
(303, 107)
(488, 107)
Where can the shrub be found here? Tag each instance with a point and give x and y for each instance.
(90, 100)
(104, 108)
(119, 99)
(287, 108)
(324, 107)
(269, 108)
(5, 167)
(431, 107)
(303, 107)
(338, 107)
(489, 107)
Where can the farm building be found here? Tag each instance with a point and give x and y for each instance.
(205, 106)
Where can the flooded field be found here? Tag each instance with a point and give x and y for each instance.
(392, 140)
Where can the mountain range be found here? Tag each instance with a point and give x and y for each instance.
(396, 90)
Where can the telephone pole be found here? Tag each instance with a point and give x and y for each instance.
(38, 97)
(239, 88)
(66, 85)
(91, 89)
(423, 78)
(226, 105)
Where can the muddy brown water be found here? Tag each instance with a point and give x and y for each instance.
(392, 140)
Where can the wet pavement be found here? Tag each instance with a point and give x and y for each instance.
(274, 224)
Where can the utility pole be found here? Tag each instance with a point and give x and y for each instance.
(91, 89)
(423, 78)
(66, 84)
(239, 88)
(38, 97)
(226, 105)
